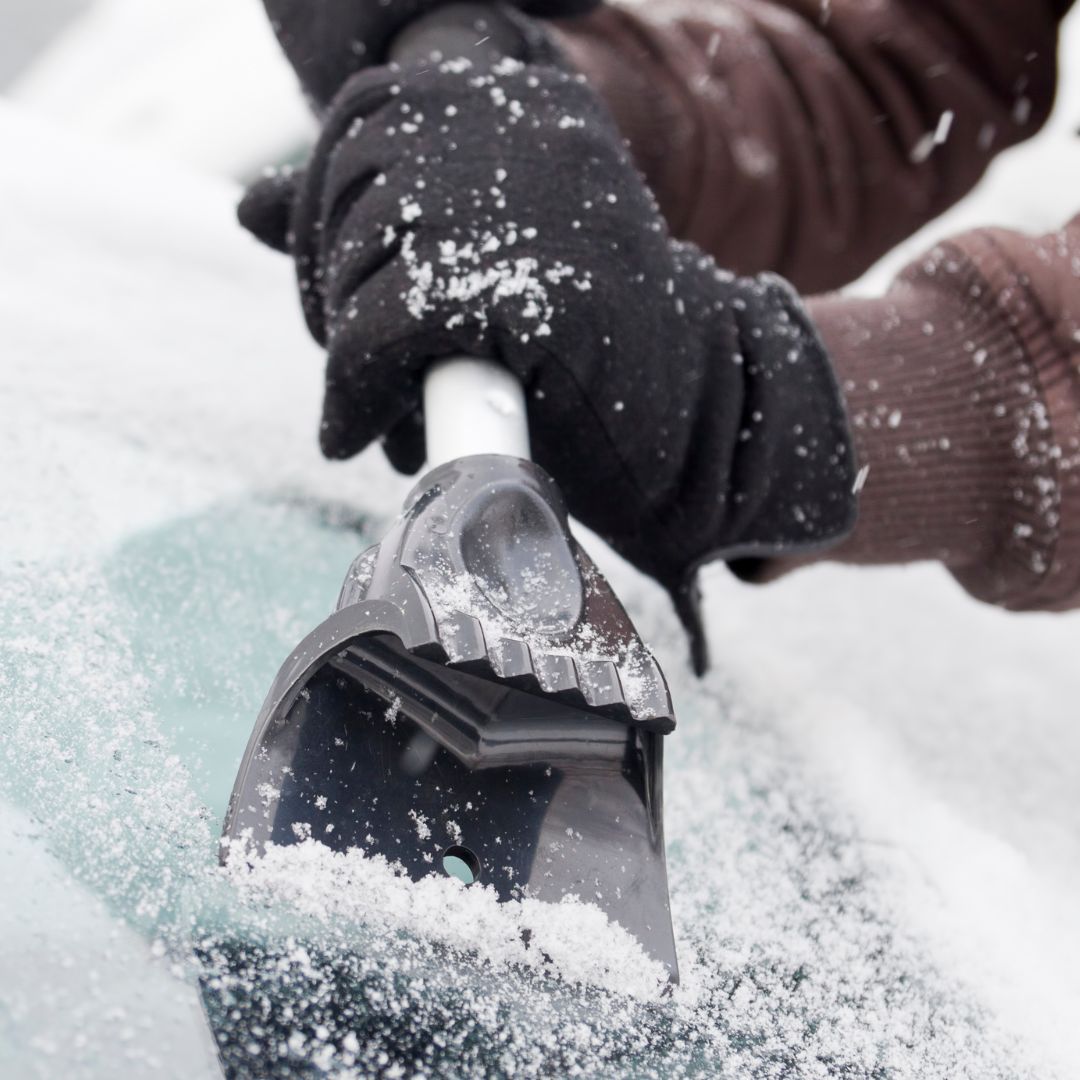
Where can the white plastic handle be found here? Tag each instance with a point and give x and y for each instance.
(473, 407)
(470, 406)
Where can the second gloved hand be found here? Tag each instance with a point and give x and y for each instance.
(686, 414)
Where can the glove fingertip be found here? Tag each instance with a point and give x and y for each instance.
(338, 441)
(265, 209)
(404, 445)
(339, 434)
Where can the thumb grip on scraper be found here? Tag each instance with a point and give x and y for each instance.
(470, 406)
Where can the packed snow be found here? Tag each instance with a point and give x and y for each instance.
(873, 827)
(573, 941)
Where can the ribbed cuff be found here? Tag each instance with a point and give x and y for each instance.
(949, 383)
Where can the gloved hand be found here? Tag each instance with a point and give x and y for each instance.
(684, 412)
(326, 41)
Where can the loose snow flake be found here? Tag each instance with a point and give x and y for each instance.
(423, 829)
(466, 273)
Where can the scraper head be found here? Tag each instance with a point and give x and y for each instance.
(479, 705)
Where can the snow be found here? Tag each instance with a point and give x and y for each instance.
(487, 602)
(873, 828)
(200, 81)
(949, 733)
(35, 23)
(65, 956)
(463, 276)
(572, 941)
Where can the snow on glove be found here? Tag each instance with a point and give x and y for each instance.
(685, 413)
(326, 41)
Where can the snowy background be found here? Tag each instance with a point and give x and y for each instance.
(873, 810)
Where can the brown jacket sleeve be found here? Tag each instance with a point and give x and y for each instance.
(808, 137)
(963, 390)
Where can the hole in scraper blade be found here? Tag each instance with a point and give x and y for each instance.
(461, 863)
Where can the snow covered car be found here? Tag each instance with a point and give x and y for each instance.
(871, 815)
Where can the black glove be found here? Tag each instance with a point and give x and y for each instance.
(327, 41)
(685, 413)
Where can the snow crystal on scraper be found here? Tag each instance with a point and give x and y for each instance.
(573, 942)
(466, 594)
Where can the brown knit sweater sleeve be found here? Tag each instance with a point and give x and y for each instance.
(963, 390)
(809, 136)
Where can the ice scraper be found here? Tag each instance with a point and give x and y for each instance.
(479, 704)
